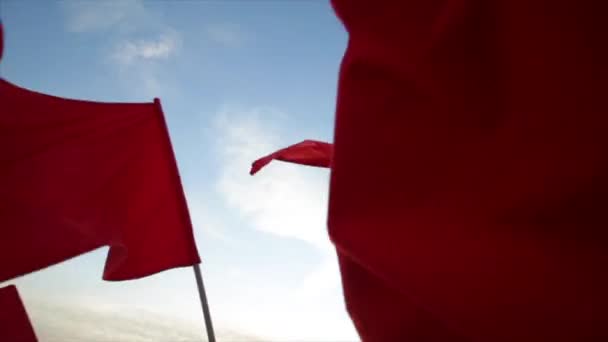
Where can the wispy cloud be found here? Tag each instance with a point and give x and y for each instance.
(159, 48)
(225, 34)
(90, 16)
(325, 279)
(118, 16)
(137, 41)
(204, 219)
(286, 200)
(289, 201)
(60, 322)
(139, 63)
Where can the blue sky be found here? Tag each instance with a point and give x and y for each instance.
(237, 79)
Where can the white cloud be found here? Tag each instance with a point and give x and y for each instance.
(139, 63)
(95, 322)
(89, 16)
(203, 219)
(325, 279)
(138, 40)
(225, 34)
(161, 48)
(284, 199)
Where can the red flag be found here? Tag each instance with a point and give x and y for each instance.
(15, 325)
(78, 175)
(470, 172)
(307, 152)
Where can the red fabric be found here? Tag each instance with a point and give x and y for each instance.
(307, 152)
(469, 180)
(15, 325)
(78, 175)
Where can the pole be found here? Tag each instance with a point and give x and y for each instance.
(204, 303)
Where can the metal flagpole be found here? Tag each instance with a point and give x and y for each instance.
(204, 303)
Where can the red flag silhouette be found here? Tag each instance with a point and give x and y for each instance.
(469, 180)
(307, 152)
(79, 175)
(15, 325)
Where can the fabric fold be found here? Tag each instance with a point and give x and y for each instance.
(307, 152)
(79, 175)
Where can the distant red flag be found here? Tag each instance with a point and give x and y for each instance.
(307, 152)
(469, 181)
(15, 325)
(78, 175)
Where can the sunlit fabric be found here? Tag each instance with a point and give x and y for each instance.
(15, 324)
(78, 175)
(469, 180)
(307, 152)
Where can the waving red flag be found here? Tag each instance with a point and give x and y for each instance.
(470, 170)
(78, 175)
(307, 152)
(15, 325)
